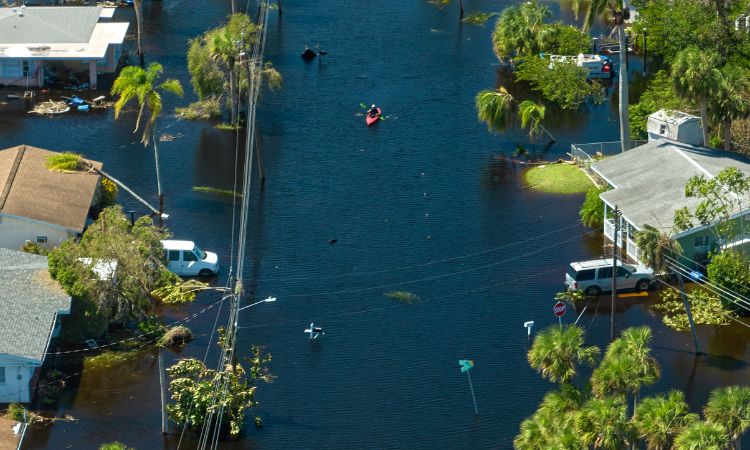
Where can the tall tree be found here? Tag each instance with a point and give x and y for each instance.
(702, 436)
(603, 423)
(142, 85)
(620, 13)
(138, 7)
(696, 75)
(532, 116)
(659, 419)
(730, 102)
(557, 351)
(730, 407)
(521, 30)
(495, 108)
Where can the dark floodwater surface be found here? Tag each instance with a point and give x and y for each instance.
(417, 203)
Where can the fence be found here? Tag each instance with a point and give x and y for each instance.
(581, 154)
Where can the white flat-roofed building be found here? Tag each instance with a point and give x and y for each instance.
(74, 38)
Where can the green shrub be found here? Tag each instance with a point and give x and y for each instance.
(592, 210)
(706, 308)
(731, 270)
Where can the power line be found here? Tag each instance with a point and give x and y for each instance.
(717, 289)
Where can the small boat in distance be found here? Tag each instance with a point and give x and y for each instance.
(372, 116)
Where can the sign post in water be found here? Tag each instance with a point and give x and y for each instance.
(559, 310)
(466, 365)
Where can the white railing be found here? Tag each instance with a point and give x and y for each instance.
(609, 231)
(632, 250)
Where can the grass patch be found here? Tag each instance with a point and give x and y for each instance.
(227, 126)
(478, 18)
(403, 296)
(558, 179)
(108, 359)
(212, 190)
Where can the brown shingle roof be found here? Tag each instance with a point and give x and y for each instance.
(29, 189)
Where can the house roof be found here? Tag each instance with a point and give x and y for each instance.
(673, 117)
(57, 32)
(28, 189)
(29, 302)
(48, 24)
(649, 181)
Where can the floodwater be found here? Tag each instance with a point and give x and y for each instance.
(420, 203)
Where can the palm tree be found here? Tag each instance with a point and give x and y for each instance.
(627, 365)
(141, 84)
(696, 76)
(702, 436)
(659, 419)
(225, 45)
(730, 102)
(620, 13)
(521, 30)
(730, 407)
(603, 423)
(654, 247)
(557, 351)
(494, 108)
(532, 116)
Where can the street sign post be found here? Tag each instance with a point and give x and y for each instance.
(466, 365)
(559, 310)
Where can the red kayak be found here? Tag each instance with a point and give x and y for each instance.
(370, 119)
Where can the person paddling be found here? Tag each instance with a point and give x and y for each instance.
(373, 111)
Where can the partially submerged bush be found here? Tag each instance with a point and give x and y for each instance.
(209, 108)
(178, 335)
(706, 308)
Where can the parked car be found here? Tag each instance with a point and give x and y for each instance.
(187, 259)
(595, 276)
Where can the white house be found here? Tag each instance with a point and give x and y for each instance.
(675, 125)
(39, 205)
(55, 39)
(30, 304)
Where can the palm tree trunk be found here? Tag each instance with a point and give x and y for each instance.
(727, 132)
(686, 304)
(138, 6)
(624, 117)
(138, 119)
(233, 95)
(549, 135)
(704, 120)
(234, 7)
(261, 172)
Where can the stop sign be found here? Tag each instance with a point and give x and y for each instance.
(559, 309)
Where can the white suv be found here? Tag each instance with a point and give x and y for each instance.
(595, 276)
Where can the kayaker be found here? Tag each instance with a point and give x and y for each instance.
(373, 111)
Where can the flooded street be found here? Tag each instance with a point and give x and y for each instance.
(417, 203)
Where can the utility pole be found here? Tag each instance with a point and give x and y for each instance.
(614, 274)
(163, 394)
(686, 304)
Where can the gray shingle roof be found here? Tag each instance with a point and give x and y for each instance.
(48, 24)
(650, 180)
(29, 301)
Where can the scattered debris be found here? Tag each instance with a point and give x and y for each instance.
(403, 296)
(51, 107)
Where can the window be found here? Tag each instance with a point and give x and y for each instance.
(2, 374)
(701, 241)
(25, 68)
(41, 239)
(662, 129)
(585, 275)
(10, 68)
(605, 272)
(622, 272)
(174, 255)
(188, 255)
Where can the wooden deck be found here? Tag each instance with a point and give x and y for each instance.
(8, 439)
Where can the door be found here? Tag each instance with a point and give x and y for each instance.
(604, 278)
(625, 279)
(190, 262)
(174, 264)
